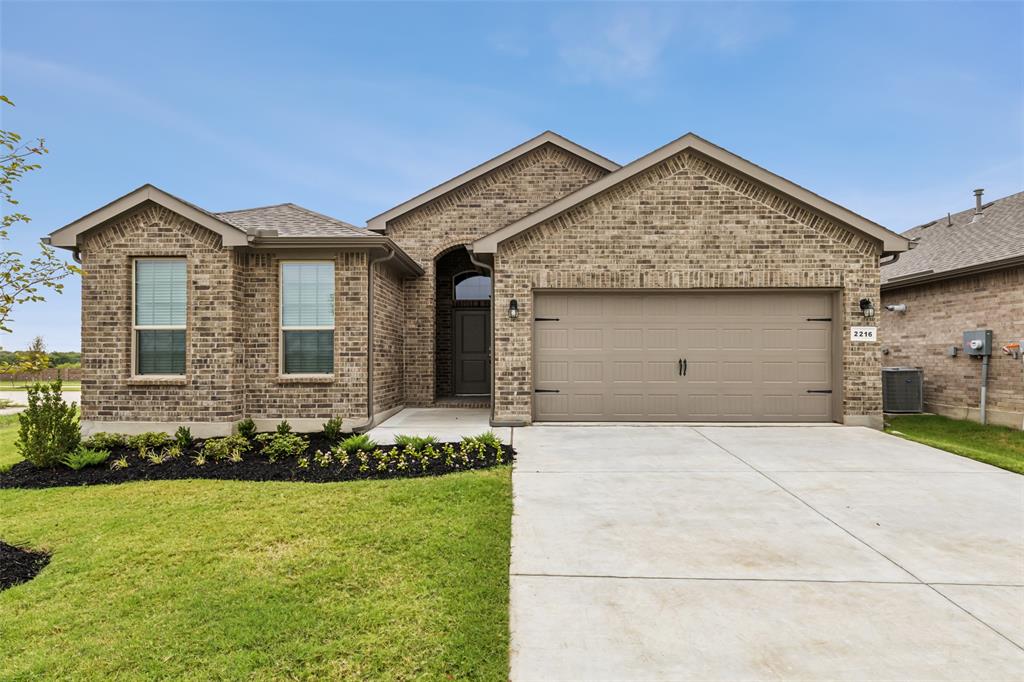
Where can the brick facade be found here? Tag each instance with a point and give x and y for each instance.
(232, 338)
(388, 339)
(684, 224)
(476, 209)
(937, 315)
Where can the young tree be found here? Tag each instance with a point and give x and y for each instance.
(21, 279)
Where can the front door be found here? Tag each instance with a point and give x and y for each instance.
(472, 352)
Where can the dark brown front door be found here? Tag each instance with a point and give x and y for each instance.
(472, 352)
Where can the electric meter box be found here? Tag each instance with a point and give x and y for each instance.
(978, 342)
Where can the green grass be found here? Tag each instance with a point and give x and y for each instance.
(996, 445)
(22, 385)
(389, 580)
(8, 434)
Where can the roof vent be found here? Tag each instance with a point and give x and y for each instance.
(977, 205)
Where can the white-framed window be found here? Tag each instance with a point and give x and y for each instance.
(159, 316)
(307, 317)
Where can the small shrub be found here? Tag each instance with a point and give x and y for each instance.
(323, 458)
(356, 444)
(278, 445)
(332, 430)
(417, 443)
(84, 457)
(150, 440)
(284, 427)
(247, 429)
(174, 451)
(48, 428)
(487, 438)
(106, 441)
(183, 438)
(119, 463)
(199, 459)
(230, 448)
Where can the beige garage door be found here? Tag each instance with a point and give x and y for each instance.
(603, 356)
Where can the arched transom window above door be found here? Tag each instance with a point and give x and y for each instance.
(472, 286)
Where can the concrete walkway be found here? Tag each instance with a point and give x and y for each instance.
(725, 553)
(446, 423)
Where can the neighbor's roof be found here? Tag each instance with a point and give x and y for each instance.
(891, 242)
(944, 250)
(547, 137)
(290, 220)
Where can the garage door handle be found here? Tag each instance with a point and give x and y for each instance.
(819, 390)
(682, 367)
(546, 390)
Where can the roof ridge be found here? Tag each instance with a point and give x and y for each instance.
(254, 208)
(966, 210)
(324, 216)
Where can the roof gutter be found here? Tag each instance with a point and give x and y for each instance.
(931, 276)
(348, 243)
(390, 252)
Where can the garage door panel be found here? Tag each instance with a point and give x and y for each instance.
(588, 371)
(750, 356)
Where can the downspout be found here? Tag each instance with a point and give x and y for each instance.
(984, 388)
(368, 424)
(490, 344)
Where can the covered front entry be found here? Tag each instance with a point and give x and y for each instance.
(764, 356)
(463, 342)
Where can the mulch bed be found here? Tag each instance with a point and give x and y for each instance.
(19, 565)
(253, 467)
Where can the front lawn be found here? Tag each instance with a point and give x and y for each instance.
(396, 580)
(996, 445)
(8, 435)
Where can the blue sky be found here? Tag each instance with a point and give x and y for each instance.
(895, 110)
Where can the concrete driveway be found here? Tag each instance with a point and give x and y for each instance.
(727, 553)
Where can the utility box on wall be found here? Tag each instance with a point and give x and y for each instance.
(978, 342)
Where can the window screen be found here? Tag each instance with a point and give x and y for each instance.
(307, 318)
(160, 315)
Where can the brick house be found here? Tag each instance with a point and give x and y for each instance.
(966, 273)
(548, 282)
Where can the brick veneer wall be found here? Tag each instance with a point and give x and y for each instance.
(272, 396)
(211, 389)
(232, 338)
(937, 315)
(684, 224)
(480, 207)
(388, 338)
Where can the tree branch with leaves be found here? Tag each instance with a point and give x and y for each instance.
(22, 279)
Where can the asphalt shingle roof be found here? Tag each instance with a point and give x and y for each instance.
(942, 247)
(291, 220)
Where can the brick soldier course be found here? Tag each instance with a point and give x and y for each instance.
(545, 215)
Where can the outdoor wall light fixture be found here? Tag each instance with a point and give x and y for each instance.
(867, 308)
(513, 309)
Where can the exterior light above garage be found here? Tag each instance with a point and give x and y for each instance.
(867, 308)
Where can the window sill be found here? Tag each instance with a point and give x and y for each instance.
(156, 380)
(305, 379)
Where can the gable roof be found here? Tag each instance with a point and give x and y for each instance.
(960, 244)
(278, 226)
(891, 242)
(67, 236)
(378, 222)
(290, 220)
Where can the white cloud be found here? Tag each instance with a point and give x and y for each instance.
(625, 45)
